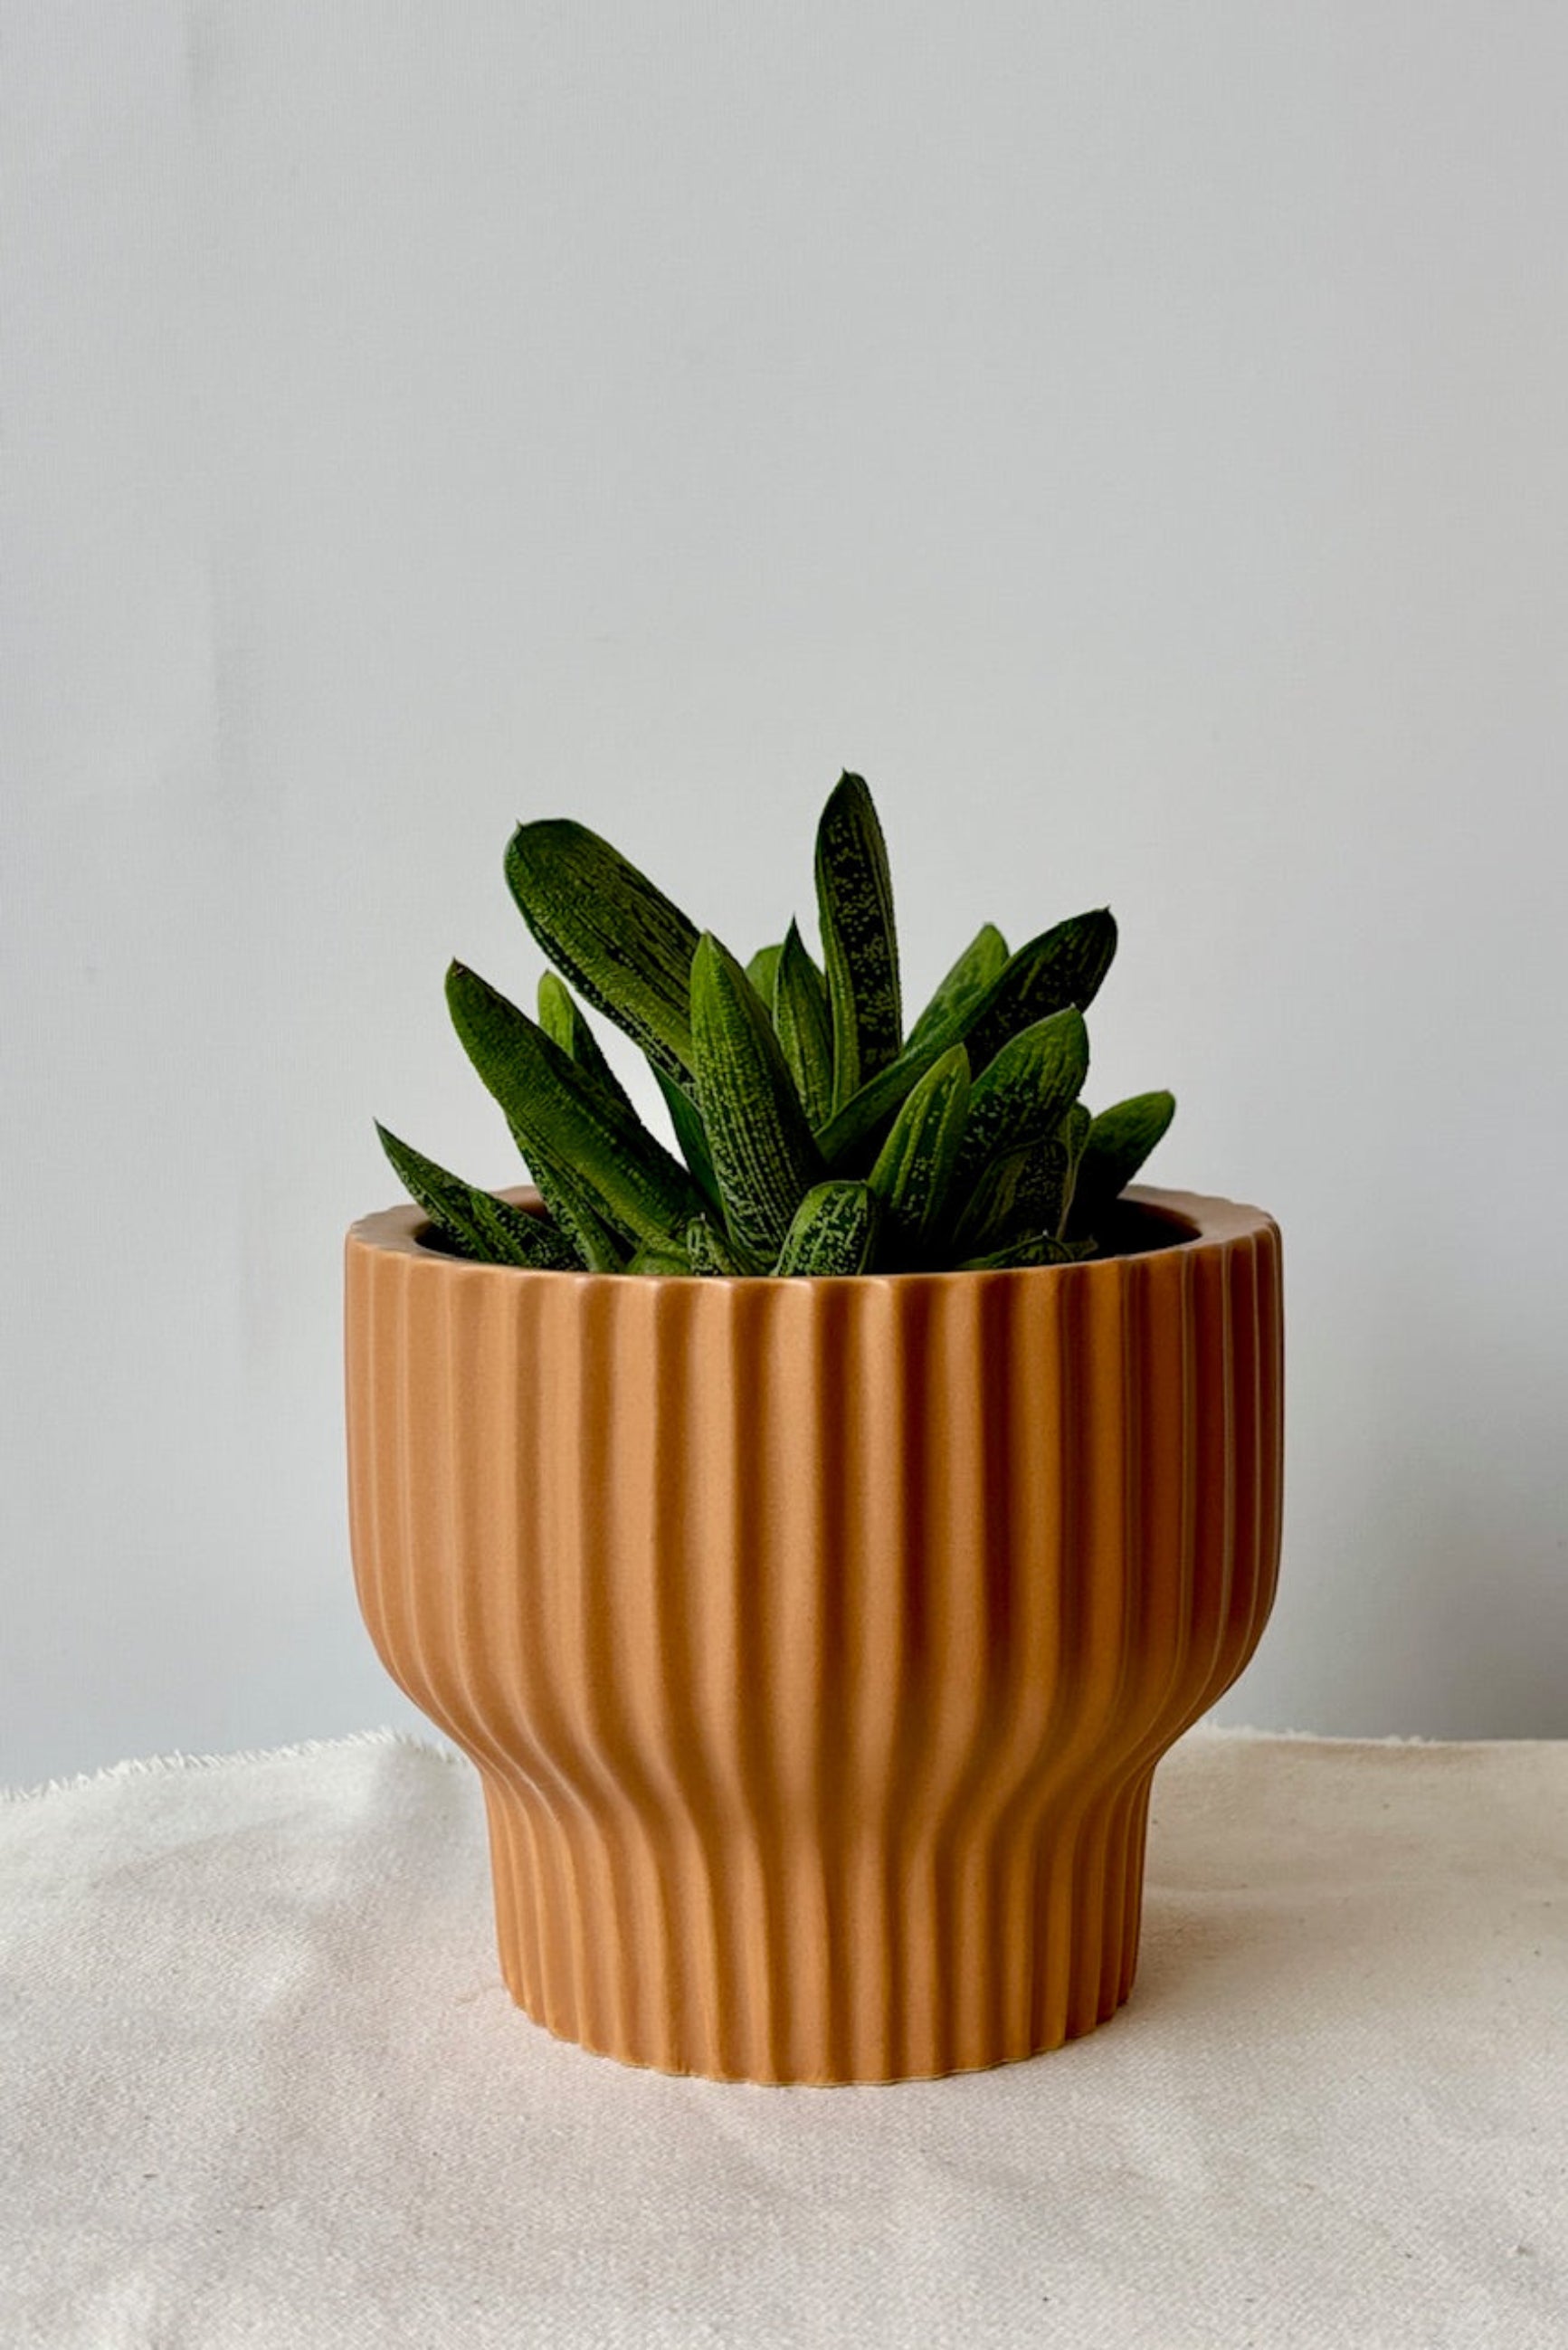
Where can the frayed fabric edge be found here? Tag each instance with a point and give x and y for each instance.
(158, 1765)
(1322, 1737)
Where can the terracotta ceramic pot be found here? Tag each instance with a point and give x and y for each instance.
(816, 1640)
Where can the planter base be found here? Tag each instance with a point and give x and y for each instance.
(878, 1967)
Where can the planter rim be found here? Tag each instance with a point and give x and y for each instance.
(1211, 1223)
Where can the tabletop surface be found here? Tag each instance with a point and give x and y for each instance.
(263, 2084)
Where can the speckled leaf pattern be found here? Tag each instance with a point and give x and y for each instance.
(834, 1230)
(764, 1155)
(1020, 1191)
(1063, 967)
(619, 940)
(1118, 1143)
(914, 1170)
(1035, 1248)
(805, 1026)
(602, 1243)
(959, 996)
(553, 1109)
(1024, 1093)
(691, 1137)
(859, 944)
(852, 1134)
(565, 1024)
(475, 1222)
(1024, 1191)
(711, 1252)
(783, 1076)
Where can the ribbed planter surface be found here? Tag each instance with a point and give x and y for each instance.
(816, 1640)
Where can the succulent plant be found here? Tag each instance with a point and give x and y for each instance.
(815, 1135)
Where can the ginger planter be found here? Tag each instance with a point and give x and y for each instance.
(816, 1640)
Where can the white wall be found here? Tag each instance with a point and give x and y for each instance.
(1132, 435)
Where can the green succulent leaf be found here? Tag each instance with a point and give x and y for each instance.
(565, 1024)
(1118, 1143)
(1063, 967)
(494, 1231)
(834, 1230)
(805, 1027)
(959, 996)
(914, 1170)
(763, 1154)
(561, 1118)
(1020, 1192)
(558, 1012)
(1074, 1132)
(618, 939)
(692, 1138)
(1021, 1097)
(1035, 1248)
(851, 1133)
(714, 1253)
(859, 943)
(816, 1138)
(760, 971)
(577, 1208)
(666, 1256)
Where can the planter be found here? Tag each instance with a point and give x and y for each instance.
(816, 1640)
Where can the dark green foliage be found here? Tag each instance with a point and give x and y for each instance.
(618, 940)
(692, 1137)
(564, 1022)
(914, 1170)
(859, 943)
(1063, 966)
(576, 1209)
(1021, 1096)
(1072, 1135)
(959, 996)
(760, 970)
(834, 1230)
(550, 1104)
(475, 1223)
(1035, 1248)
(764, 1155)
(852, 1132)
(1118, 1143)
(804, 1024)
(661, 1256)
(817, 1138)
(1020, 1192)
(711, 1251)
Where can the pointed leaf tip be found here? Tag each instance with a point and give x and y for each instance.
(860, 938)
(565, 1119)
(624, 945)
(478, 1223)
(805, 1026)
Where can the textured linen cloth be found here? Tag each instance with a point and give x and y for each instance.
(262, 2085)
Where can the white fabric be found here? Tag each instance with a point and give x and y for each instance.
(263, 2087)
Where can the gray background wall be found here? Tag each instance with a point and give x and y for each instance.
(1132, 435)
